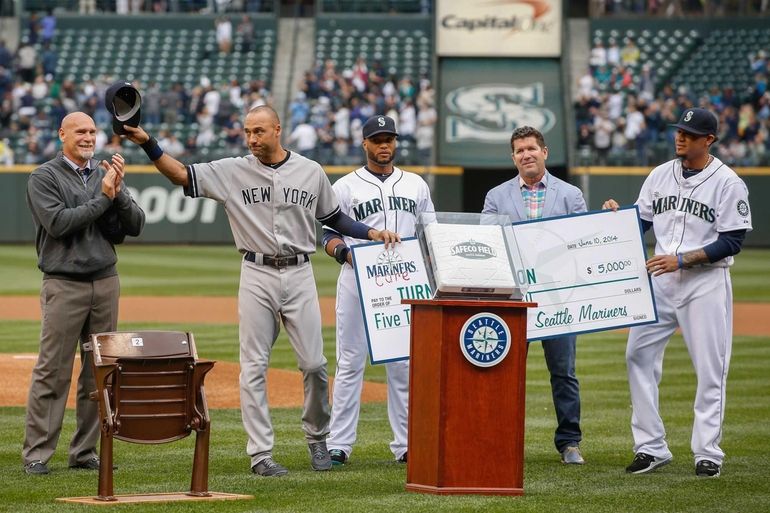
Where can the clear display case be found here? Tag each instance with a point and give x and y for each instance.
(470, 255)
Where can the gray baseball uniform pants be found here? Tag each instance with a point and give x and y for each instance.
(71, 310)
(266, 297)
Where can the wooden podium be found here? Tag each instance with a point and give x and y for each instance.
(466, 422)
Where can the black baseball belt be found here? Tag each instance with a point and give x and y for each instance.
(277, 261)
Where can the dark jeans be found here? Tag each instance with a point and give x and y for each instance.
(565, 389)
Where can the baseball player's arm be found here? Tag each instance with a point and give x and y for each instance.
(336, 248)
(169, 166)
(727, 244)
(344, 224)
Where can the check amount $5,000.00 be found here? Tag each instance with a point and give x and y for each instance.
(618, 266)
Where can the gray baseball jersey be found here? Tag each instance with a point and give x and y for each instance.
(271, 210)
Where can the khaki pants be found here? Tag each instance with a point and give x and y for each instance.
(71, 311)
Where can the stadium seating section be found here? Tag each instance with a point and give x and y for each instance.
(721, 60)
(369, 6)
(403, 45)
(176, 49)
(664, 49)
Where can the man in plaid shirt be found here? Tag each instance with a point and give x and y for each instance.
(534, 194)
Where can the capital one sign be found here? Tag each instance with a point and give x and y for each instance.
(506, 28)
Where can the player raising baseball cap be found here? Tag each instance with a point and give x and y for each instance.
(124, 102)
(698, 122)
(379, 125)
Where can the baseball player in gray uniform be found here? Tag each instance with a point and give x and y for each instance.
(699, 210)
(272, 198)
(382, 196)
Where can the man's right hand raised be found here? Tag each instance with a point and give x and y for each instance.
(110, 183)
(136, 135)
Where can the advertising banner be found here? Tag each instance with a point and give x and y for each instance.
(501, 28)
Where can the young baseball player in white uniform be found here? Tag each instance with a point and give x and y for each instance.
(385, 197)
(272, 199)
(699, 210)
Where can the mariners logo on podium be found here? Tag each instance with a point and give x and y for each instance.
(485, 339)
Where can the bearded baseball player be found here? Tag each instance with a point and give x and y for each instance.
(385, 197)
(272, 198)
(699, 211)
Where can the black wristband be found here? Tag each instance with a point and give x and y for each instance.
(341, 253)
(151, 148)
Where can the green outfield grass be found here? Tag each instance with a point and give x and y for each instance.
(152, 270)
(373, 482)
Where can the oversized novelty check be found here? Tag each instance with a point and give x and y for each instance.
(385, 277)
(586, 272)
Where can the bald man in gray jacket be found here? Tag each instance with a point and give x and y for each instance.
(81, 210)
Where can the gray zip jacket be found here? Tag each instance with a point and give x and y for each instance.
(76, 223)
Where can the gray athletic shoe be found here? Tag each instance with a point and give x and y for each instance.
(36, 468)
(319, 456)
(268, 468)
(571, 456)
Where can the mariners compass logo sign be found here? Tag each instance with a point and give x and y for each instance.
(485, 339)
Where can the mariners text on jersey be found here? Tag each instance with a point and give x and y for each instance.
(687, 205)
(373, 206)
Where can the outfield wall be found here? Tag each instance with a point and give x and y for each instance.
(173, 218)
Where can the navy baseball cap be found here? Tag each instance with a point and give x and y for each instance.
(124, 103)
(698, 122)
(379, 125)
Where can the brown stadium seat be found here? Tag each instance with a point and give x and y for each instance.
(149, 385)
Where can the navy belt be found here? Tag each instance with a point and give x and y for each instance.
(277, 262)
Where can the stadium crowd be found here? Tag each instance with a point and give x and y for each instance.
(330, 107)
(677, 8)
(325, 115)
(209, 114)
(622, 118)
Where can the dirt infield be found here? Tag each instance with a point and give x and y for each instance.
(284, 388)
(751, 319)
(177, 309)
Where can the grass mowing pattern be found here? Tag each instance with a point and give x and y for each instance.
(373, 482)
(150, 270)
